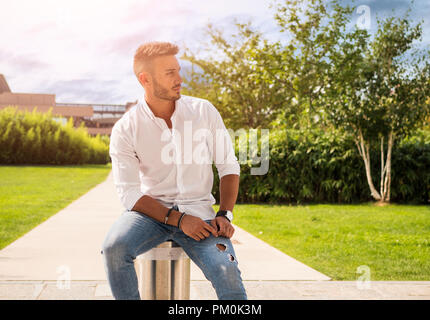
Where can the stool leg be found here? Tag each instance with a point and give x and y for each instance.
(145, 270)
(162, 276)
(162, 280)
(181, 279)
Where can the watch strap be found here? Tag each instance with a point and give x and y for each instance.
(222, 213)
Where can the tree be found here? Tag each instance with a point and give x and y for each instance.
(232, 78)
(314, 32)
(378, 90)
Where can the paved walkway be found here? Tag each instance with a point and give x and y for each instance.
(67, 246)
(257, 290)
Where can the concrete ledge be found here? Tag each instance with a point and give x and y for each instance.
(202, 290)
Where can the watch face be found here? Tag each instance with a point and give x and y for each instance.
(229, 215)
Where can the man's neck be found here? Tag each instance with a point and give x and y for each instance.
(160, 108)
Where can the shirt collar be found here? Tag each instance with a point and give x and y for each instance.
(148, 110)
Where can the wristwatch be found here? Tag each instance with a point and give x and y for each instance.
(226, 214)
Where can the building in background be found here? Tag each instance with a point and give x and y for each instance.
(98, 118)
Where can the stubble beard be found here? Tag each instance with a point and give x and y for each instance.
(162, 93)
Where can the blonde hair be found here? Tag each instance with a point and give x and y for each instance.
(150, 50)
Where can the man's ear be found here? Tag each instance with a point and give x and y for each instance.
(144, 78)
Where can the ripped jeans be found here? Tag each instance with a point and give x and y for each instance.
(135, 233)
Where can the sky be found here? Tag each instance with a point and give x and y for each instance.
(82, 50)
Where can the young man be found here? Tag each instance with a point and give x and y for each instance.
(162, 152)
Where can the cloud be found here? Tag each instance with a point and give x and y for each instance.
(384, 5)
(384, 8)
(158, 11)
(22, 63)
(82, 51)
(83, 90)
(41, 28)
(128, 43)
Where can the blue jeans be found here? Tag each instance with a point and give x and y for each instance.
(135, 233)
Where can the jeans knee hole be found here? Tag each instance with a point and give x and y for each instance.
(221, 247)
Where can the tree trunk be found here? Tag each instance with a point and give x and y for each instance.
(381, 188)
(387, 170)
(385, 184)
(363, 149)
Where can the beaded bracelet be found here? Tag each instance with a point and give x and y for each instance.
(167, 215)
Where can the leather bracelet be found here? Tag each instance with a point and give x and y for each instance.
(167, 215)
(180, 219)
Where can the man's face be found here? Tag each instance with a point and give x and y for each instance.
(166, 81)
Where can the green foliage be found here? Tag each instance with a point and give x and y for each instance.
(411, 168)
(349, 79)
(317, 166)
(35, 138)
(315, 29)
(328, 74)
(379, 85)
(234, 77)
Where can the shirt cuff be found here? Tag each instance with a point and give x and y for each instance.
(229, 170)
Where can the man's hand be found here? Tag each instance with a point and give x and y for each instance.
(224, 227)
(196, 228)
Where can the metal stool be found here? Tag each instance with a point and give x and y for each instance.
(164, 273)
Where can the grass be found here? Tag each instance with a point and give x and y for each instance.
(31, 194)
(393, 241)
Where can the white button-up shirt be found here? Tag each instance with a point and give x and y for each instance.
(173, 166)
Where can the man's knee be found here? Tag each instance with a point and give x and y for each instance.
(115, 248)
(227, 279)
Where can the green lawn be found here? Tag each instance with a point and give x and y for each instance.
(31, 194)
(393, 241)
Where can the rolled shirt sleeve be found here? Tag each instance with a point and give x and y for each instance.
(224, 155)
(125, 168)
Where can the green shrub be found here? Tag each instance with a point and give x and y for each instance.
(35, 138)
(313, 166)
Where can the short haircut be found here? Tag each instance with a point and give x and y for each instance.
(150, 50)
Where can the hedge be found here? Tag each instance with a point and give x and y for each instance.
(35, 138)
(314, 166)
